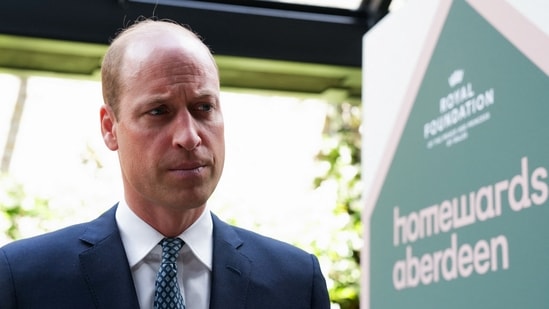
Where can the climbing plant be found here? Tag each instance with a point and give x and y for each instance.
(16, 207)
(341, 154)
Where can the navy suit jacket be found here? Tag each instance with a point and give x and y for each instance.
(85, 266)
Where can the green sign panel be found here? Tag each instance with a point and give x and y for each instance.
(462, 219)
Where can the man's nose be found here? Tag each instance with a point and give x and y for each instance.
(185, 134)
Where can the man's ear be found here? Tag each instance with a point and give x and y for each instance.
(108, 127)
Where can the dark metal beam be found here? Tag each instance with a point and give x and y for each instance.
(374, 10)
(234, 30)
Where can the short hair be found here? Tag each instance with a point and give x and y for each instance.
(111, 68)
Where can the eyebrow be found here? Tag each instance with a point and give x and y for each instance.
(206, 94)
(165, 98)
(154, 100)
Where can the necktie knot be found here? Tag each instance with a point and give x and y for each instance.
(170, 249)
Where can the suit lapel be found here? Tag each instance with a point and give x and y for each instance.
(105, 265)
(230, 271)
(108, 275)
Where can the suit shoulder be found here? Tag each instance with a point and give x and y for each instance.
(66, 238)
(241, 238)
(44, 242)
(263, 241)
(270, 252)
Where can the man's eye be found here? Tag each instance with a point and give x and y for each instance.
(204, 107)
(158, 111)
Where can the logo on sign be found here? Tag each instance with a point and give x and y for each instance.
(460, 110)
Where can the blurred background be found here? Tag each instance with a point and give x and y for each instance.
(291, 94)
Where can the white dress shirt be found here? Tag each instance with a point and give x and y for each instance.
(194, 265)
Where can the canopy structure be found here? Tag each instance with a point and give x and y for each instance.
(258, 43)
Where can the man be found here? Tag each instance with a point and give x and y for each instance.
(163, 116)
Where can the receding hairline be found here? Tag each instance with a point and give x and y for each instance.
(149, 27)
(116, 53)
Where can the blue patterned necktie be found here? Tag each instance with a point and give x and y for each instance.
(167, 293)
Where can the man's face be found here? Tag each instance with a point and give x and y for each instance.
(169, 132)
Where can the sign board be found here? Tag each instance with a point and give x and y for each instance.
(457, 215)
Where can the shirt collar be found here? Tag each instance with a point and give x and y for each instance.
(139, 238)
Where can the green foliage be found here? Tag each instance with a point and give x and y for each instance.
(16, 206)
(341, 156)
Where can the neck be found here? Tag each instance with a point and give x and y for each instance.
(169, 222)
